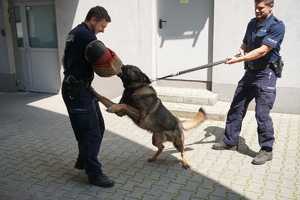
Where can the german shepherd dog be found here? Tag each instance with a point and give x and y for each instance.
(140, 103)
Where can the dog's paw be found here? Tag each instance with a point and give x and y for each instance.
(120, 113)
(151, 159)
(186, 166)
(110, 109)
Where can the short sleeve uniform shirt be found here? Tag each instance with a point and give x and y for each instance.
(75, 62)
(270, 32)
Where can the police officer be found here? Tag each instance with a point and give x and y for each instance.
(85, 116)
(260, 53)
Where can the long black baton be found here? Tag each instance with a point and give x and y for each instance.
(193, 69)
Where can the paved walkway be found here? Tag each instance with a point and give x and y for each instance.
(38, 150)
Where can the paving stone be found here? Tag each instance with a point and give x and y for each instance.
(38, 151)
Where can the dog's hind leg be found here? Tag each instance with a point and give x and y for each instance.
(179, 144)
(158, 142)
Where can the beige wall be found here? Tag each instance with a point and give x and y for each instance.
(129, 34)
(231, 18)
(132, 36)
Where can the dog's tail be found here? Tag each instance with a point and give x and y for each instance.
(196, 121)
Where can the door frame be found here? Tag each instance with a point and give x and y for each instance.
(22, 54)
(209, 71)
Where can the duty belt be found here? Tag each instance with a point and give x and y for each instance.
(70, 80)
(258, 67)
(74, 86)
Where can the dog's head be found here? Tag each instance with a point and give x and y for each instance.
(132, 76)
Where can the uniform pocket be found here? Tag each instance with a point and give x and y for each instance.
(83, 103)
(82, 110)
(270, 89)
(267, 95)
(259, 37)
(82, 121)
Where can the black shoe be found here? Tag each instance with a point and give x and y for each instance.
(101, 181)
(79, 166)
(223, 146)
(262, 157)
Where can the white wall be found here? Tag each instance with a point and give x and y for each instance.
(231, 19)
(132, 29)
(129, 34)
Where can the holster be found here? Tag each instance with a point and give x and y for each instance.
(277, 67)
(74, 86)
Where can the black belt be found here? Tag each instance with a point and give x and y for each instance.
(258, 67)
(73, 86)
(81, 84)
(70, 80)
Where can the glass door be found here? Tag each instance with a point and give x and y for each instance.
(37, 60)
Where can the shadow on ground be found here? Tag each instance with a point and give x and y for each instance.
(218, 134)
(38, 150)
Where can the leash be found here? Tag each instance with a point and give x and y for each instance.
(193, 69)
(197, 68)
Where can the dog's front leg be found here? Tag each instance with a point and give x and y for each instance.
(132, 112)
(105, 101)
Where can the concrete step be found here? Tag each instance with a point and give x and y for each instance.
(186, 95)
(185, 102)
(218, 112)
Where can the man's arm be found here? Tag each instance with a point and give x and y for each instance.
(252, 55)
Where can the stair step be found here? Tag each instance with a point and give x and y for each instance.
(184, 103)
(218, 112)
(186, 95)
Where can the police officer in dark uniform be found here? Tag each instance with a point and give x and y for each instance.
(260, 51)
(83, 109)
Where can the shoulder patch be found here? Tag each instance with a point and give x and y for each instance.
(70, 38)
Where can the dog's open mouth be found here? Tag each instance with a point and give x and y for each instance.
(120, 75)
(125, 79)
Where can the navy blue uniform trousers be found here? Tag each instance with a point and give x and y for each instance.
(261, 86)
(88, 125)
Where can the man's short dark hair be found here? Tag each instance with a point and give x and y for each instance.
(99, 12)
(267, 2)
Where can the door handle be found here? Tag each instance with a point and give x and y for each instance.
(160, 23)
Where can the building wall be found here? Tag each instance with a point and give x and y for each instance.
(129, 34)
(7, 70)
(231, 19)
(132, 35)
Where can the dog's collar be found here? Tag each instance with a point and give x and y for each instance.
(135, 88)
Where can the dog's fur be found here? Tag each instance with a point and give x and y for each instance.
(141, 104)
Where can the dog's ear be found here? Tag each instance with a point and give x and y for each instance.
(145, 78)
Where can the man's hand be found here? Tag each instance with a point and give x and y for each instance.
(232, 60)
(239, 54)
(235, 58)
(247, 56)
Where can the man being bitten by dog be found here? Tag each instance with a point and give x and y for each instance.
(140, 103)
(84, 112)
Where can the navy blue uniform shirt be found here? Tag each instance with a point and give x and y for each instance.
(75, 62)
(270, 32)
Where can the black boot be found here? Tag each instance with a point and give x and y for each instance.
(101, 181)
(79, 166)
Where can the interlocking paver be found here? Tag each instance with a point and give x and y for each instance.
(38, 150)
